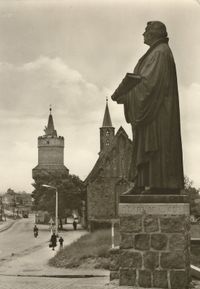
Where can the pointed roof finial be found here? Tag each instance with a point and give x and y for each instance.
(50, 130)
(107, 119)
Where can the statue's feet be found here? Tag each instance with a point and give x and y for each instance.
(133, 191)
(160, 191)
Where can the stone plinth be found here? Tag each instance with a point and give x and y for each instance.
(155, 241)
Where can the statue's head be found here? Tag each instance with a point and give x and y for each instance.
(154, 31)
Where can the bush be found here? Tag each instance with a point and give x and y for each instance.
(94, 246)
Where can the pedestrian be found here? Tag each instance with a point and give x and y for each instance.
(75, 225)
(61, 240)
(35, 231)
(53, 241)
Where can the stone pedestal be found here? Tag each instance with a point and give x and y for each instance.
(155, 241)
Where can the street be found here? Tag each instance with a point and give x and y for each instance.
(24, 260)
(19, 239)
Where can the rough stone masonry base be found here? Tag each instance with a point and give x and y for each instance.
(155, 242)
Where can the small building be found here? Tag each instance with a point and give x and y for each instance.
(109, 176)
(16, 202)
(42, 217)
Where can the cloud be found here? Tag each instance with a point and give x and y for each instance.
(78, 108)
(26, 92)
(28, 88)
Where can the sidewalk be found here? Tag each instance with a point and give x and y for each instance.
(36, 262)
(4, 225)
(32, 270)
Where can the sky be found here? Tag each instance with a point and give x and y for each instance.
(72, 54)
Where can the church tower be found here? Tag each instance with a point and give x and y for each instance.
(50, 151)
(107, 131)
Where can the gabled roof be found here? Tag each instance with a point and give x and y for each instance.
(100, 163)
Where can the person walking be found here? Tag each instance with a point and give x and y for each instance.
(75, 225)
(61, 240)
(53, 241)
(35, 231)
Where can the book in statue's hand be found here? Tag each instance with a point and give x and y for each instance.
(129, 81)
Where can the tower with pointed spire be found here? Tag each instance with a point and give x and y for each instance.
(110, 175)
(50, 150)
(107, 131)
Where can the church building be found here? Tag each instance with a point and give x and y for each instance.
(50, 151)
(109, 176)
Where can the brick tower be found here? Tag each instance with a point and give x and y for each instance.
(50, 151)
(107, 131)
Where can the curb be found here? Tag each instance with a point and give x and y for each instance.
(58, 276)
(8, 226)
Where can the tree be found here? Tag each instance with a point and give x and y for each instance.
(194, 197)
(70, 190)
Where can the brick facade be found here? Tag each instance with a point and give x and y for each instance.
(108, 179)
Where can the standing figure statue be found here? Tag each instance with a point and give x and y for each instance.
(151, 106)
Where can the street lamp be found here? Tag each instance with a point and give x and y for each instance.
(56, 217)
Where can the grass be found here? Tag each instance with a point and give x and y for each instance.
(90, 250)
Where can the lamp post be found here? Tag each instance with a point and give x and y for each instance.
(56, 216)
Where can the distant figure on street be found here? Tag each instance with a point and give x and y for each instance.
(61, 240)
(75, 225)
(35, 231)
(53, 241)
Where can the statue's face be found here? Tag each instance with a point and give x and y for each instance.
(149, 36)
(148, 39)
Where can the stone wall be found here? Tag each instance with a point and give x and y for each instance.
(155, 245)
(100, 202)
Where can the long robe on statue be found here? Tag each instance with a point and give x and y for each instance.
(152, 108)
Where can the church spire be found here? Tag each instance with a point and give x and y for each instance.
(49, 130)
(107, 131)
(107, 119)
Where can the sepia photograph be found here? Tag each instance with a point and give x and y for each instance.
(99, 147)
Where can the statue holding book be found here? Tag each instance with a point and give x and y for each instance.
(151, 106)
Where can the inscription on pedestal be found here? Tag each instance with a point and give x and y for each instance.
(154, 209)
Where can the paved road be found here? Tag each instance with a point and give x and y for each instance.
(30, 260)
(19, 238)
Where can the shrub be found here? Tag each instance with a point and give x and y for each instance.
(95, 245)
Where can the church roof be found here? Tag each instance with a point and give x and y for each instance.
(50, 130)
(107, 119)
(100, 163)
